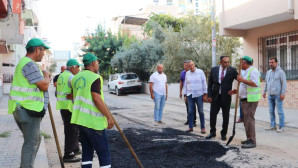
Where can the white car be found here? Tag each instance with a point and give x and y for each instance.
(124, 82)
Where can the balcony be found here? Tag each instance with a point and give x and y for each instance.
(248, 14)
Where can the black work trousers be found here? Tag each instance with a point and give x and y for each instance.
(71, 132)
(214, 109)
(195, 114)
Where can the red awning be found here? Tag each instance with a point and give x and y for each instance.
(3, 8)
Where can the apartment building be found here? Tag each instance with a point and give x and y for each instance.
(269, 28)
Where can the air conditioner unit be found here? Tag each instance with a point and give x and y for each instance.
(12, 47)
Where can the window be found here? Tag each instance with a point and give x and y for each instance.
(169, 2)
(197, 4)
(282, 46)
(129, 76)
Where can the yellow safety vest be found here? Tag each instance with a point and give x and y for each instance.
(85, 113)
(22, 92)
(62, 90)
(253, 93)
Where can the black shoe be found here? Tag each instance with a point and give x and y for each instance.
(186, 123)
(211, 135)
(249, 144)
(223, 137)
(78, 152)
(189, 130)
(194, 125)
(71, 158)
(244, 142)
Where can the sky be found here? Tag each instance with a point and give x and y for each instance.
(63, 22)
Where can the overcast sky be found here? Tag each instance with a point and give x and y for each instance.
(63, 22)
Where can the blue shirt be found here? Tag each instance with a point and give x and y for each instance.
(182, 76)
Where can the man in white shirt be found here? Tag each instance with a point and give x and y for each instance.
(159, 92)
(196, 92)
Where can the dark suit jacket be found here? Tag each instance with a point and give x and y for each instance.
(226, 84)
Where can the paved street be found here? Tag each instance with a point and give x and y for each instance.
(11, 146)
(136, 111)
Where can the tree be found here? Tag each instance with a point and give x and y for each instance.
(53, 67)
(141, 58)
(104, 45)
(193, 42)
(165, 21)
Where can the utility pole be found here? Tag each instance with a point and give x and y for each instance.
(213, 20)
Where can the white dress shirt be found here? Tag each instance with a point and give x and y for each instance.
(195, 83)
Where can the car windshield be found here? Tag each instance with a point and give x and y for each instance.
(129, 76)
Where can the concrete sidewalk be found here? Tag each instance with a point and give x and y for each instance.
(262, 113)
(11, 146)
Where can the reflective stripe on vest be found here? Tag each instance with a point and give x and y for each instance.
(22, 89)
(22, 92)
(85, 112)
(33, 98)
(253, 93)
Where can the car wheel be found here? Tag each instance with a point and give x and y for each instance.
(118, 92)
(109, 90)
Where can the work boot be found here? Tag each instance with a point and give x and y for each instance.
(78, 152)
(71, 158)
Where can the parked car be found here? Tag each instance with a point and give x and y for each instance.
(124, 82)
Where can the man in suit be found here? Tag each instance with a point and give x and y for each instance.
(220, 82)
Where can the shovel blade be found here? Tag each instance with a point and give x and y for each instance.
(230, 139)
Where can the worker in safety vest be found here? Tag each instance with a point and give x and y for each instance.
(65, 105)
(28, 98)
(250, 95)
(91, 114)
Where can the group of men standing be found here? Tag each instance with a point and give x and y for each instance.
(79, 99)
(220, 82)
(193, 88)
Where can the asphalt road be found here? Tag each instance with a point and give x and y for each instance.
(167, 145)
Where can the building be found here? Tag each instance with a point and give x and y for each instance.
(132, 24)
(61, 57)
(269, 29)
(18, 23)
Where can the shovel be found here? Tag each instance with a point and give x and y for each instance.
(56, 136)
(235, 116)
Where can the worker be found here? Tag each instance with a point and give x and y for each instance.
(91, 114)
(71, 131)
(28, 98)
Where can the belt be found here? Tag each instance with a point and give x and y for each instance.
(244, 99)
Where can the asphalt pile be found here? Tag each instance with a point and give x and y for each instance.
(165, 148)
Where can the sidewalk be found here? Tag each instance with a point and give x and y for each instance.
(11, 146)
(262, 113)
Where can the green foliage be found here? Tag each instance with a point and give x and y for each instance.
(53, 67)
(138, 58)
(171, 44)
(5, 134)
(104, 45)
(165, 21)
(193, 42)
